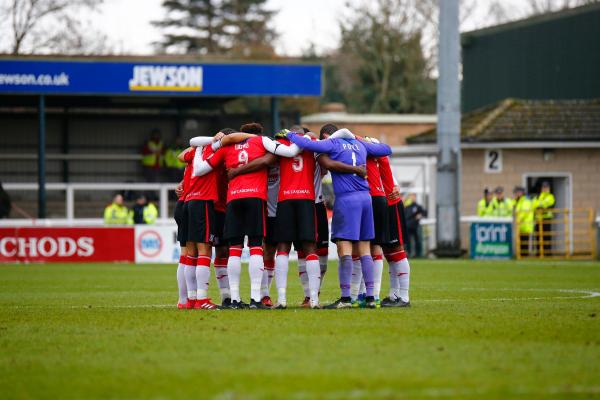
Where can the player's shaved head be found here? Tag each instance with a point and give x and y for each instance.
(227, 131)
(297, 129)
(327, 130)
(253, 127)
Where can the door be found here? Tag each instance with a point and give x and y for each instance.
(560, 186)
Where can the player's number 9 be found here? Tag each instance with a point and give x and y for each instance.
(243, 157)
(298, 164)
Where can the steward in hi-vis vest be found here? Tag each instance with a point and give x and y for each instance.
(484, 206)
(542, 205)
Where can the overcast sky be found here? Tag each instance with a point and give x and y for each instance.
(127, 23)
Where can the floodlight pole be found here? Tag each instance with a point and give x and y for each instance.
(448, 133)
(42, 157)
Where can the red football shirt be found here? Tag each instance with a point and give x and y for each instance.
(374, 177)
(204, 187)
(297, 176)
(252, 185)
(387, 178)
(187, 172)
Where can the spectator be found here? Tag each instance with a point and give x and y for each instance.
(523, 219)
(502, 207)
(172, 163)
(5, 203)
(150, 213)
(485, 206)
(542, 205)
(152, 157)
(136, 214)
(414, 213)
(143, 212)
(116, 213)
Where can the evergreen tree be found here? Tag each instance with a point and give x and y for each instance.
(247, 27)
(193, 26)
(238, 28)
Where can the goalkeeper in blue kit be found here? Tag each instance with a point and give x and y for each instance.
(352, 210)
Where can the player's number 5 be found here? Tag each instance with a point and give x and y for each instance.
(243, 157)
(298, 164)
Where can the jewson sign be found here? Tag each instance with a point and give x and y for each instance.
(122, 78)
(491, 240)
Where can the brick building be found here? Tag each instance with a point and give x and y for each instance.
(392, 129)
(522, 142)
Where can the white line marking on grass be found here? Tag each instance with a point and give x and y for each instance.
(438, 392)
(587, 294)
(580, 294)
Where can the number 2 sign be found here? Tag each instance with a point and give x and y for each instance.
(493, 161)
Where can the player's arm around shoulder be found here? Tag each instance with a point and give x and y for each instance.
(233, 138)
(318, 146)
(280, 149)
(255, 165)
(376, 149)
(185, 156)
(327, 163)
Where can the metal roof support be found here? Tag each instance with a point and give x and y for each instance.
(42, 157)
(448, 133)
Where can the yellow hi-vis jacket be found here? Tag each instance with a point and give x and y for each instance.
(171, 160)
(115, 214)
(485, 209)
(150, 214)
(544, 201)
(524, 214)
(152, 154)
(502, 208)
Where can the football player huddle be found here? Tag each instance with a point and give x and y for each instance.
(244, 187)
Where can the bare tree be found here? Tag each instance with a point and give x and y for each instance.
(50, 25)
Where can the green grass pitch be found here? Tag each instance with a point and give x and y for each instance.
(476, 330)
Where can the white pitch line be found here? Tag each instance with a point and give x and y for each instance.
(587, 294)
(434, 392)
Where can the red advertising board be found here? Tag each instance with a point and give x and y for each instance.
(66, 244)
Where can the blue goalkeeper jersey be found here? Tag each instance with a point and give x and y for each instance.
(348, 151)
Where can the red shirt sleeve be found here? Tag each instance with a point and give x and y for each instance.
(189, 156)
(216, 158)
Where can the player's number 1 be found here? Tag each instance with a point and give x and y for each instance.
(354, 160)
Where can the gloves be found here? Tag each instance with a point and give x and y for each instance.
(282, 134)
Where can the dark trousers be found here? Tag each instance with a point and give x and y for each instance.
(414, 246)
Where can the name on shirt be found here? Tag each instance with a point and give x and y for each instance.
(349, 146)
(249, 190)
(297, 191)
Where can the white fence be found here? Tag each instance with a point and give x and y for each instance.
(71, 188)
